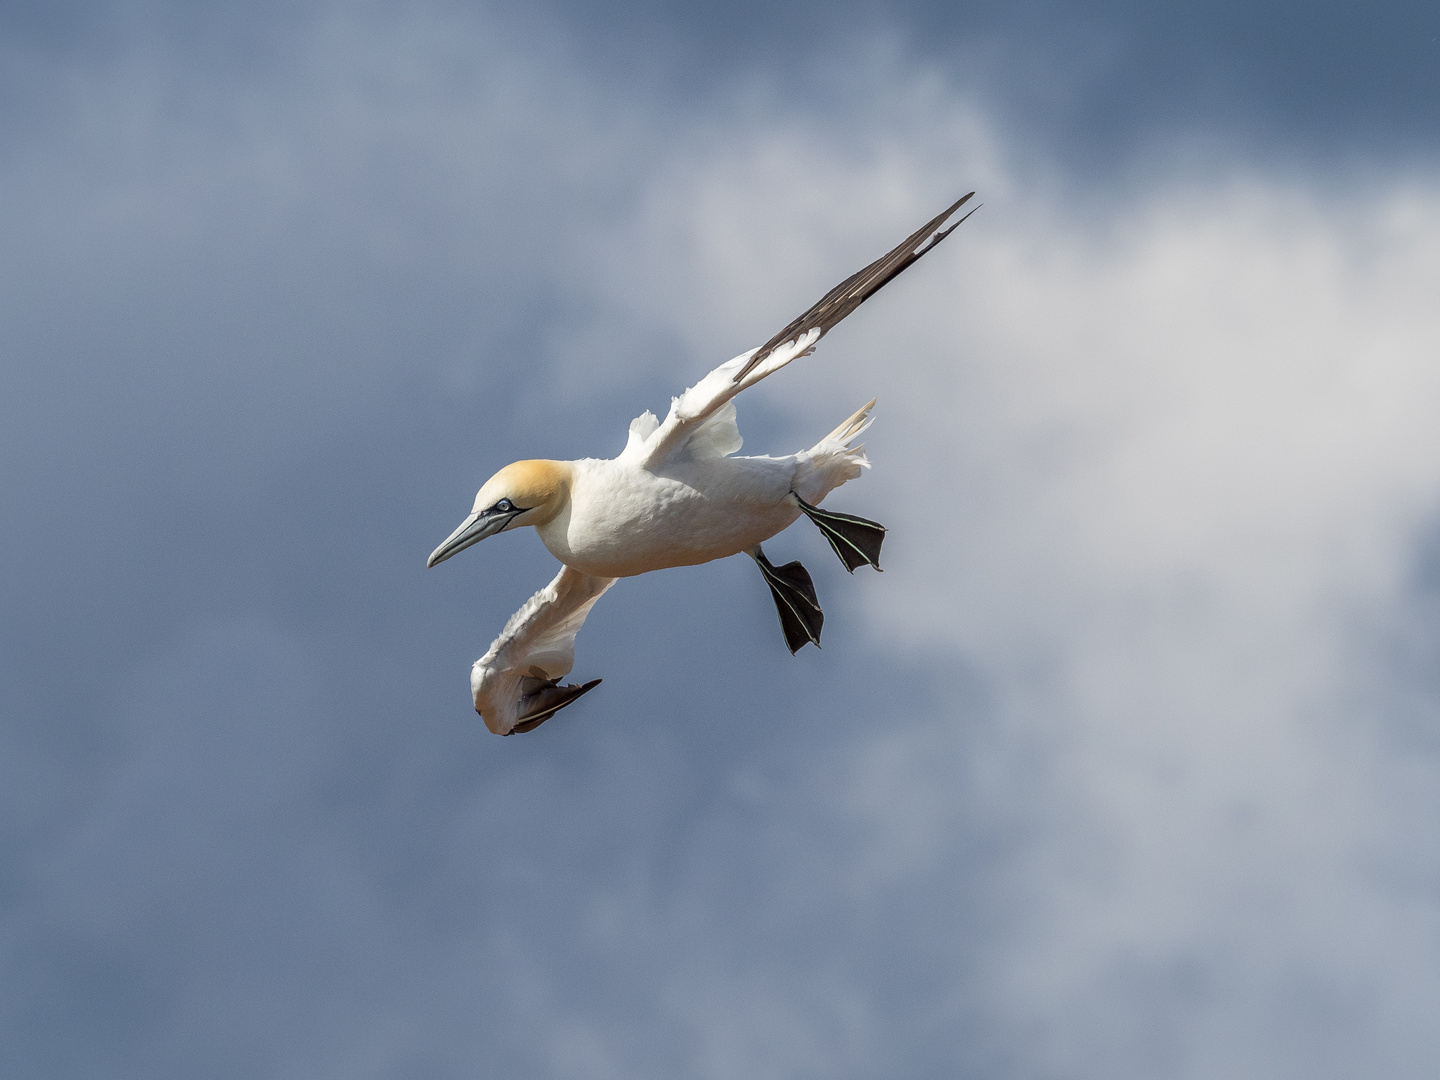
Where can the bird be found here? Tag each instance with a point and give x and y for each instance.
(675, 496)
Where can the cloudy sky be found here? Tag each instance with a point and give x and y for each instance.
(1128, 767)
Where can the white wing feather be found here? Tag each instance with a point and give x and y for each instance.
(697, 428)
(517, 678)
(699, 424)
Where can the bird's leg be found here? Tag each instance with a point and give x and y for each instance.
(794, 592)
(856, 540)
(543, 698)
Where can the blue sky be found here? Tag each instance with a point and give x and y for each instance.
(1126, 767)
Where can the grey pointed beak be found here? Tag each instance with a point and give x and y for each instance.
(472, 530)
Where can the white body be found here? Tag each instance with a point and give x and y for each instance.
(624, 519)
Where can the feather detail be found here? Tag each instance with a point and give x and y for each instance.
(832, 461)
(717, 436)
(641, 428)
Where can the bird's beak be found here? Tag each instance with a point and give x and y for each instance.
(472, 530)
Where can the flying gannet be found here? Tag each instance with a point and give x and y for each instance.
(674, 497)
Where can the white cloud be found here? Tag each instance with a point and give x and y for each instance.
(1158, 473)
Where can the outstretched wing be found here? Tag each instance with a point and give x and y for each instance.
(859, 287)
(517, 683)
(696, 423)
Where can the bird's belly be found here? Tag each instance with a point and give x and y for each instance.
(652, 522)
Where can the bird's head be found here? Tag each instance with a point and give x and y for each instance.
(524, 493)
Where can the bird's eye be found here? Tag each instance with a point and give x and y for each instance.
(504, 506)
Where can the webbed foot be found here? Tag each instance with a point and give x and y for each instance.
(856, 540)
(794, 593)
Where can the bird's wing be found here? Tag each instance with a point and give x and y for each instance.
(516, 684)
(701, 422)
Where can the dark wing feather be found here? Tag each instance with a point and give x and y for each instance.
(857, 288)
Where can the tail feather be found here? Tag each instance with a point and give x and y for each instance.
(832, 461)
(849, 429)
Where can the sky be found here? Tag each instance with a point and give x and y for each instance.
(1127, 766)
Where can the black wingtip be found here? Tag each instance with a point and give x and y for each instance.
(956, 206)
(840, 301)
(549, 700)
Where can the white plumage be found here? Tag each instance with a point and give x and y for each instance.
(675, 496)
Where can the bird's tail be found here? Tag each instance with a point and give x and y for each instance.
(851, 428)
(832, 460)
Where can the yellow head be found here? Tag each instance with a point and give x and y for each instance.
(523, 493)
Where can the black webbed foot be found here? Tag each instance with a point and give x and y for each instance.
(856, 540)
(794, 593)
